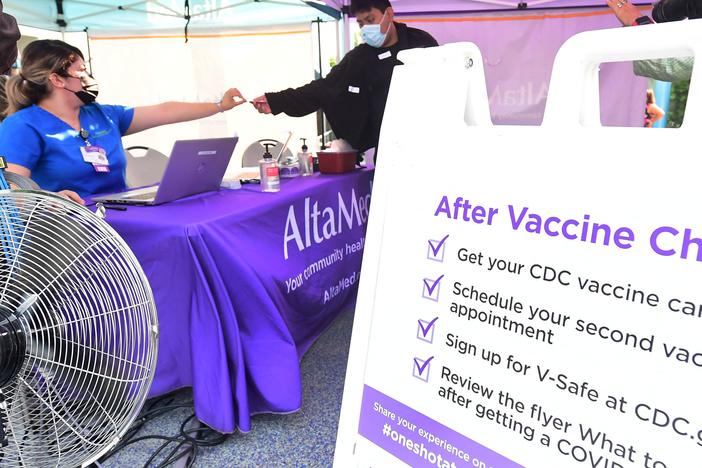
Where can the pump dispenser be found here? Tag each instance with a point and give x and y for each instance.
(305, 159)
(270, 174)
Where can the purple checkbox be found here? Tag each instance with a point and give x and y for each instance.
(436, 249)
(420, 368)
(425, 330)
(430, 288)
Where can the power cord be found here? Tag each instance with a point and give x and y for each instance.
(188, 442)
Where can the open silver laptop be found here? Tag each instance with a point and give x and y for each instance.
(195, 166)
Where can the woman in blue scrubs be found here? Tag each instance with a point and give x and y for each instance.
(59, 136)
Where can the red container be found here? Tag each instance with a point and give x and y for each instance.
(332, 162)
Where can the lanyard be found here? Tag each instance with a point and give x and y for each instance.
(84, 134)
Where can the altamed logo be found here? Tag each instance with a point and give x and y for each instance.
(314, 224)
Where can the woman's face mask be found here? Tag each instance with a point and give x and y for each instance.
(372, 34)
(89, 87)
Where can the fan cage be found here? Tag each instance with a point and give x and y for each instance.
(73, 290)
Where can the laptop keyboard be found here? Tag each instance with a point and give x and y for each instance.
(142, 196)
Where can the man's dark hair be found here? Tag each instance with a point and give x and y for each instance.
(359, 6)
(9, 35)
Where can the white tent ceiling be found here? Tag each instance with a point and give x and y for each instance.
(141, 15)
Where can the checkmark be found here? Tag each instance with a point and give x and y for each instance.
(420, 369)
(436, 249)
(425, 330)
(431, 288)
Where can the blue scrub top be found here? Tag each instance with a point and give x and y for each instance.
(50, 148)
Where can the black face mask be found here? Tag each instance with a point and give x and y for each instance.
(90, 89)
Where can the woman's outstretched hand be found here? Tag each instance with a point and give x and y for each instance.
(231, 99)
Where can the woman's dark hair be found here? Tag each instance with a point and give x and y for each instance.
(39, 60)
(359, 6)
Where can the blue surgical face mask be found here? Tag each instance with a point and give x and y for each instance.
(372, 35)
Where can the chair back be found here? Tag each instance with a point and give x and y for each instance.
(254, 152)
(145, 166)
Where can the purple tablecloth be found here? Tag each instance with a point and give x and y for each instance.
(244, 282)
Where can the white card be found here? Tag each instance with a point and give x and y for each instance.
(94, 155)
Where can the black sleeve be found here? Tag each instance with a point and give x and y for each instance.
(313, 96)
(428, 40)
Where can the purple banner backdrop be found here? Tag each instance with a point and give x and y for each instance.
(518, 53)
(244, 282)
(419, 440)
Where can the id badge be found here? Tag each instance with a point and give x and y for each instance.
(94, 155)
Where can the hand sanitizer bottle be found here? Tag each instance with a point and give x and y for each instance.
(270, 173)
(305, 159)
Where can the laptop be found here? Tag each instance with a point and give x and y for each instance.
(195, 166)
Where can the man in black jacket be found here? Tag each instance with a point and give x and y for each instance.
(353, 95)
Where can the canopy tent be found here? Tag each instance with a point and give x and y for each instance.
(161, 15)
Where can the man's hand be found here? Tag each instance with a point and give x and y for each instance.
(625, 12)
(71, 195)
(231, 99)
(261, 105)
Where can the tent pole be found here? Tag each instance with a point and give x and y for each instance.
(338, 41)
(90, 55)
(321, 119)
(60, 20)
(346, 30)
(661, 91)
(319, 45)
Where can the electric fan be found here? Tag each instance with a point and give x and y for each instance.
(78, 332)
